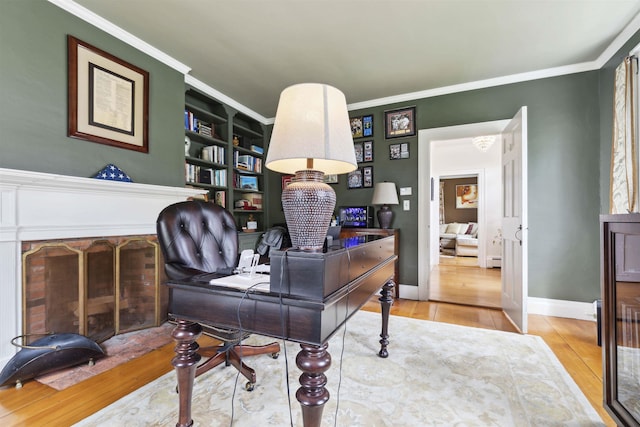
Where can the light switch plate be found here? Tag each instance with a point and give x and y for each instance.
(405, 191)
(406, 205)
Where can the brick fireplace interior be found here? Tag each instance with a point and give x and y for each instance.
(95, 287)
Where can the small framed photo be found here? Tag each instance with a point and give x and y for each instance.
(364, 151)
(361, 126)
(354, 179)
(331, 179)
(367, 177)
(367, 152)
(399, 151)
(367, 126)
(249, 182)
(401, 122)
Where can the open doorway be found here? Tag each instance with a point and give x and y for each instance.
(512, 206)
(465, 250)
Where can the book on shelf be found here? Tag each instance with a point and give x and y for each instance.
(214, 153)
(205, 176)
(220, 198)
(193, 124)
(247, 162)
(201, 175)
(257, 149)
(220, 178)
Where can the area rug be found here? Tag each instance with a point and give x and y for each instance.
(118, 349)
(436, 374)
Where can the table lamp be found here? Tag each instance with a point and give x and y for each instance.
(385, 194)
(311, 136)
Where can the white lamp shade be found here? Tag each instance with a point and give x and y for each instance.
(311, 122)
(385, 193)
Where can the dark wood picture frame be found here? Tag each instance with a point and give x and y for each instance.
(400, 122)
(108, 98)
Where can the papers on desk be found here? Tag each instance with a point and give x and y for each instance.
(244, 281)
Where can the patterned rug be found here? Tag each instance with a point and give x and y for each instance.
(118, 349)
(436, 375)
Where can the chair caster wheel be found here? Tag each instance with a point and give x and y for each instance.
(249, 386)
(275, 355)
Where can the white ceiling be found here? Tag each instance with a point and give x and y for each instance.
(375, 51)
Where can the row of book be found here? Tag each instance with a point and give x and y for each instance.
(194, 173)
(247, 162)
(214, 153)
(194, 124)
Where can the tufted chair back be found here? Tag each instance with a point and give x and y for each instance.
(197, 237)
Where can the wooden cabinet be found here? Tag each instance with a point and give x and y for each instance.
(346, 233)
(224, 153)
(620, 269)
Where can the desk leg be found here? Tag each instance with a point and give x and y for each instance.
(185, 362)
(313, 361)
(385, 302)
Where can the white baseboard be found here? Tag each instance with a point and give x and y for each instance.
(543, 306)
(561, 308)
(408, 292)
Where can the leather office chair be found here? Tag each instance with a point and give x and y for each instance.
(197, 238)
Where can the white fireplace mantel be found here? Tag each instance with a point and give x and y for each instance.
(43, 206)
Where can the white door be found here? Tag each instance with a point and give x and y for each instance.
(514, 220)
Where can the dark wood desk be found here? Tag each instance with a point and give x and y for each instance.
(311, 296)
(346, 233)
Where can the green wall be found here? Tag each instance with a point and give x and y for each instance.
(33, 100)
(563, 160)
(569, 139)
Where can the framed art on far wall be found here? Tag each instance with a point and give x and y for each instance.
(467, 196)
(361, 126)
(399, 151)
(364, 151)
(354, 179)
(401, 122)
(108, 98)
(367, 177)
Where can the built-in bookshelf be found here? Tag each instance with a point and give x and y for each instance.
(248, 180)
(224, 153)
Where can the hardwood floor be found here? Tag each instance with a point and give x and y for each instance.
(455, 281)
(573, 342)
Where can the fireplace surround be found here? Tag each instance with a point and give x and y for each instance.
(40, 207)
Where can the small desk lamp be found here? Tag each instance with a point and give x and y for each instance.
(385, 194)
(311, 136)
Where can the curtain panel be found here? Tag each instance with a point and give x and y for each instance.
(624, 160)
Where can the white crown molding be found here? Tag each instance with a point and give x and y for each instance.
(190, 80)
(110, 28)
(96, 20)
(480, 84)
(617, 43)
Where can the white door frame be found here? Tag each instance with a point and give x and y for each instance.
(425, 137)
